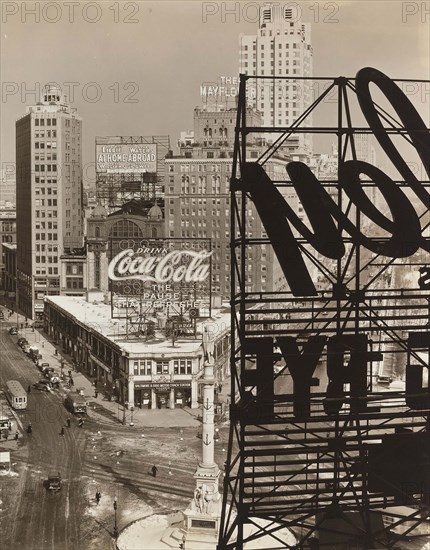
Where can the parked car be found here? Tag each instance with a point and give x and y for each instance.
(13, 331)
(53, 483)
(44, 366)
(21, 341)
(42, 385)
(33, 352)
(25, 348)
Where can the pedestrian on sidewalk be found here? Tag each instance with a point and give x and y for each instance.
(29, 389)
(154, 471)
(16, 436)
(62, 430)
(96, 393)
(69, 422)
(81, 422)
(98, 496)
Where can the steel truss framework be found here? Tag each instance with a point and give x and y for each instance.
(113, 190)
(318, 476)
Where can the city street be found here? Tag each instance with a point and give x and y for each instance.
(104, 455)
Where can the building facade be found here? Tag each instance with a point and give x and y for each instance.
(49, 205)
(134, 220)
(281, 48)
(197, 196)
(150, 374)
(7, 235)
(9, 272)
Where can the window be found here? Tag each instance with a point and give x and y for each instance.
(126, 229)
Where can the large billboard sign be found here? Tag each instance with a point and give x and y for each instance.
(160, 277)
(330, 370)
(117, 158)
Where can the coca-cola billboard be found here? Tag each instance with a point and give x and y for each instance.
(160, 277)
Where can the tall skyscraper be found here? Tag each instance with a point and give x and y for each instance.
(281, 48)
(198, 195)
(49, 190)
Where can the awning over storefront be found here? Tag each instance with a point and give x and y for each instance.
(99, 363)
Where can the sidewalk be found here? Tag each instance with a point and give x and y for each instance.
(100, 407)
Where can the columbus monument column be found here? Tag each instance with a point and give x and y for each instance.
(202, 517)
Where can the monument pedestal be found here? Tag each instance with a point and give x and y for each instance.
(203, 515)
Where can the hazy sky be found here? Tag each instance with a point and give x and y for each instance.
(137, 66)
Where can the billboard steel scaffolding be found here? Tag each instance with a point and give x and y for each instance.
(114, 188)
(329, 433)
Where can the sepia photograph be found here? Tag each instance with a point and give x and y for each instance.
(214, 275)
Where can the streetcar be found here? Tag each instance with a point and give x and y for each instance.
(16, 394)
(76, 404)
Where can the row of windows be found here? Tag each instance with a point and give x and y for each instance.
(42, 179)
(49, 247)
(46, 214)
(43, 157)
(199, 167)
(49, 145)
(42, 225)
(8, 227)
(199, 234)
(75, 283)
(46, 236)
(49, 122)
(45, 168)
(48, 133)
(148, 367)
(45, 191)
(45, 202)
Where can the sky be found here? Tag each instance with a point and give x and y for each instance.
(136, 67)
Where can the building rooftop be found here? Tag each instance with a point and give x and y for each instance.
(97, 317)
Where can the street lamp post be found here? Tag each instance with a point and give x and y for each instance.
(125, 404)
(115, 527)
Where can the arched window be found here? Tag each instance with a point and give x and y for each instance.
(97, 231)
(125, 229)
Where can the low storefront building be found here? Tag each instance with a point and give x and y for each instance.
(137, 369)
